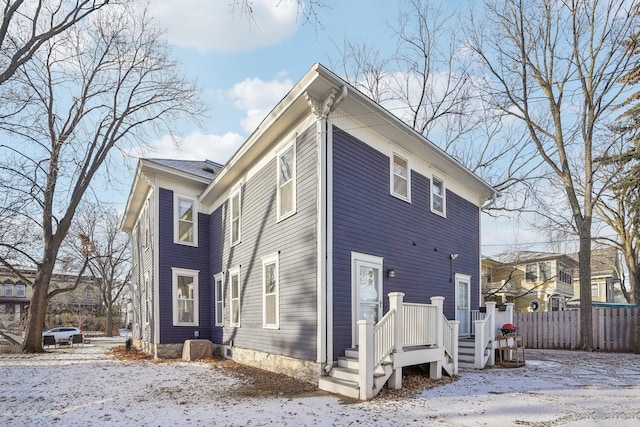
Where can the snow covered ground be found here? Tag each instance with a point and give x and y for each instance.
(83, 386)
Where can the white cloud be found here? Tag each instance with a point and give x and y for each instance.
(217, 26)
(195, 146)
(257, 98)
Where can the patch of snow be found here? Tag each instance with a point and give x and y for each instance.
(83, 385)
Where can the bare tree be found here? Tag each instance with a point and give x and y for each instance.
(27, 25)
(308, 9)
(427, 81)
(111, 261)
(554, 66)
(109, 83)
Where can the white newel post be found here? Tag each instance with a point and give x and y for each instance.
(455, 325)
(491, 308)
(395, 304)
(509, 310)
(435, 368)
(365, 359)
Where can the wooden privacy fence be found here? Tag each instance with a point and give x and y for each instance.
(614, 329)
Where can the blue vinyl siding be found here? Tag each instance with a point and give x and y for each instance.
(294, 238)
(181, 256)
(415, 242)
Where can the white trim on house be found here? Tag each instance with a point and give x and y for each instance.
(235, 271)
(218, 298)
(235, 192)
(194, 296)
(358, 259)
(155, 282)
(293, 179)
(176, 220)
(392, 176)
(443, 197)
(272, 259)
(458, 277)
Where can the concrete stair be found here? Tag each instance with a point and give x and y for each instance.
(343, 379)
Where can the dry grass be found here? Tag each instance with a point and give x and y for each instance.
(261, 383)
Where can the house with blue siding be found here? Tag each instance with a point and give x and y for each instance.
(333, 223)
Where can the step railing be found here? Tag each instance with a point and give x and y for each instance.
(404, 325)
(450, 343)
(485, 334)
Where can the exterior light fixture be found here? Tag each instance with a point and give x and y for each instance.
(391, 273)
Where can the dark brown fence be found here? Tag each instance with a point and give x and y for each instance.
(614, 329)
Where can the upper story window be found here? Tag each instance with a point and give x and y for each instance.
(400, 178)
(287, 182)
(565, 274)
(234, 291)
(487, 274)
(8, 290)
(438, 196)
(185, 297)
(21, 290)
(147, 226)
(185, 221)
(218, 281)
(531, 272)
(235, 214)
(595, 290)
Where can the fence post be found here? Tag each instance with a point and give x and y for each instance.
(455, 324)
(491, 308)
(435, 368)
(365, 359)
(509, 310)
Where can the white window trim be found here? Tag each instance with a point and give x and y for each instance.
(175, 272)
(234, 272)
(24, 290)
(271, 259)
(294, 180)
(218, 298)
(147, 300)
(392, 175)
(235, 192)
(444, 196)
(176, 220)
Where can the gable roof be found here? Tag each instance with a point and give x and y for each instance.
(524, 257)
(318, 83)
(204, 169)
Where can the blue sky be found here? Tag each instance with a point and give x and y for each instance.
(246, 65)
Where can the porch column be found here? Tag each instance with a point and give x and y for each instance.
(435, 368)
(365, 359)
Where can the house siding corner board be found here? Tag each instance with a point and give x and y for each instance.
(142, 267)
(173, 255)
(294, 239)
(415, 242)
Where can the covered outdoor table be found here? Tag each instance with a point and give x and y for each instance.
(197, 349)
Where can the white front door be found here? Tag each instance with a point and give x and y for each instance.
(463, 306)
(366, 285)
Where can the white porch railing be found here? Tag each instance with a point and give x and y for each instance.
(450, 343)
(419, 326)
(404, 325)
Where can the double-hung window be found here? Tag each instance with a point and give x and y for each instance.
(147, 299)
(21, 290)
(185, 297)
(400, 178)
(185, 221)
(287, 182)
(234, 296)
(271, 290)
(235, 210)
(438, 198)
(218, 281)
(8, 290)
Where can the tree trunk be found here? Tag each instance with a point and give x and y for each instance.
(37, 311)
(584, 259)
(109, 322)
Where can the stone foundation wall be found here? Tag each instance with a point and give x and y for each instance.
(159, 351)
(305, 370)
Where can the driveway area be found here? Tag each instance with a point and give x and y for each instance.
(85, 385)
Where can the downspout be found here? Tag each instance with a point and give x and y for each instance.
(322, 109)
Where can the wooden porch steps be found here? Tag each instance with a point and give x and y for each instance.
(466, 352)
(343, 379)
